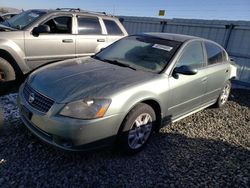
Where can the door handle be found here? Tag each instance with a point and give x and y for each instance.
(67, 40)
(100, 40)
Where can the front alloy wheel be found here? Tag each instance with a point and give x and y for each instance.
(137, 128)
(2, 76)
(7, 72)
(140, 131)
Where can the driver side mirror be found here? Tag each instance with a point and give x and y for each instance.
(41, 29)
(185, 70)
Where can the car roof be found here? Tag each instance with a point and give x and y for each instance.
(75, 11)
(78, 11)
(171, 36)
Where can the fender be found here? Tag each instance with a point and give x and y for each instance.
(134, 100)
(16, 52)
(122, 103)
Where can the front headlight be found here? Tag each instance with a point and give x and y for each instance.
(86, 109)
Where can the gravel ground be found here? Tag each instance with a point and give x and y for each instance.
(208, 149)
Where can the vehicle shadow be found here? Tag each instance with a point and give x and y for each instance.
(240, 96)
(169, 159)
(10, 87)
(1, 116)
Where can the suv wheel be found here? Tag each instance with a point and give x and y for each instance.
(224, 95)
(137, 128)
(7, 73)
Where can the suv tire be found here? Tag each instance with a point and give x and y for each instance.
(7, 73)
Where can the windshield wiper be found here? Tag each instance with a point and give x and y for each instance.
(115, 62)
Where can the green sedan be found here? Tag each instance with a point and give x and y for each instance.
(125, 92)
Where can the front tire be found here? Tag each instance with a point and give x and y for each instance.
(137, 128)
(7, 73)
(224, 95)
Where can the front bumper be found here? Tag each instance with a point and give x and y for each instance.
(68, 133)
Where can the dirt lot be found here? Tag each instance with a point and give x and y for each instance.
(210, 148)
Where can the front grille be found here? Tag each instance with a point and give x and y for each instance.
(37, 100)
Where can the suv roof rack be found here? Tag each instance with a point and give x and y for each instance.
(84, 11)
(69, 9)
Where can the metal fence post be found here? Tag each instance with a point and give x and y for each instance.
(163, 23)
(230, 28)
(121, 20)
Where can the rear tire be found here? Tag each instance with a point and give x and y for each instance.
(7, 73)
(224, 95)
(137, 128)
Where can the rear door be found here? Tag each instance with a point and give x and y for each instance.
(56, 45)
(186, 91)
(91, 37)
(114, 32)
(218, 70)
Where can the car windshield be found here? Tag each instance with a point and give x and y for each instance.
(23, 19)
(142, 52)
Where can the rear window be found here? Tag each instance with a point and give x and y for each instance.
(89, 26)
(215, 54)
(112, 27)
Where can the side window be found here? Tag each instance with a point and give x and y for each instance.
(214, 53)
(60, 25)
(89, 26)
(112, 27)
(192, 56)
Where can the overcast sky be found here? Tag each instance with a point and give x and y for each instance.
(199, 9)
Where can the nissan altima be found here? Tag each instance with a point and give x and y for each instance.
(125, 92)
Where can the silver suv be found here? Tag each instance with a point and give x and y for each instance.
(37, 37)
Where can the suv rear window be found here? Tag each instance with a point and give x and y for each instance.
(112, 27)
(215, 54)
(89, 26)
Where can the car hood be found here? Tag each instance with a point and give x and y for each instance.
(83, 78)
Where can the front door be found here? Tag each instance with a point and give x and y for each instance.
(186, 91)
(58, 44)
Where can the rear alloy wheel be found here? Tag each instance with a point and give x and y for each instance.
(137, 128)
(223, 98)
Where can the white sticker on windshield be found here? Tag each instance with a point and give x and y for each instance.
(34, 15)
(162, 47)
